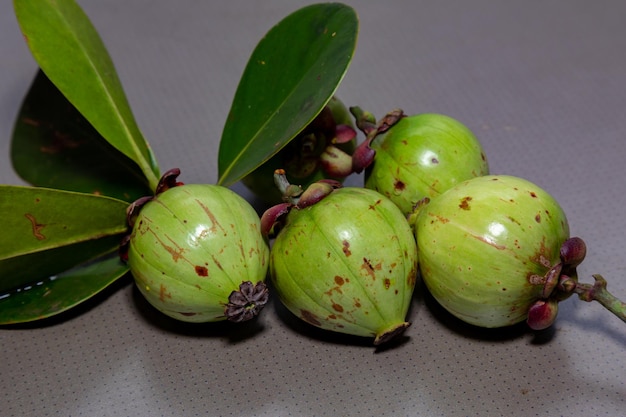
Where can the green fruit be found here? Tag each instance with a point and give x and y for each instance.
(423, 156)
(490, 248)
(314, 154)
(347, 263)
(197, 254)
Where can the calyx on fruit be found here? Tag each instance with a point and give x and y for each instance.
(495, 250)
(408, 158)
(196, 252)
(322, 150)
(343, 259)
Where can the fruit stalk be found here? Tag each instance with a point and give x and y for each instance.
(598, 292)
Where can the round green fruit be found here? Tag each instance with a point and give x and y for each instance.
(197, 254)
(423, 156)
(490, 249)
(347, 263)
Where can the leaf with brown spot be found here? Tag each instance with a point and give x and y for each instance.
(54, 146)
(68, 49)
(46, 232)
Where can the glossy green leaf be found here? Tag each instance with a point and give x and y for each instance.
(40, 219)
(54, 146)
(55, 294)
(69, 50)
(24, 270)
(51, 234)
(291, 75)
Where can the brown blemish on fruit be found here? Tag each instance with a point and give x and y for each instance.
(514, 220)
(214, 222)
(489, 242)
(335, 288)
(357, 304)
(202, 271)
(310, 318)
(387, 283)
(338, 308)
(542, 255)
(373, 206)
(177, 253)
(345, 248)
(464, 205)
(538, 218)
(532, 194)
(36, 226)
(163, 294)
(439, 218)
(339, 280)
(399, 185)
(535, 279)
(368, 268)
(219, 265)
(412, 277)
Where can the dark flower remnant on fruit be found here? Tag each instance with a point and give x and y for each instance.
(247, 302)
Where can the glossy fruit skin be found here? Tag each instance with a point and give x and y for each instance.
(192, 246)
(422, 156)
(300, 169)
(347, 263)
(485, 243)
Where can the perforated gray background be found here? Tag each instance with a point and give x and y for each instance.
(543, 85)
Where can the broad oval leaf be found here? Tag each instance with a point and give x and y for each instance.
(69, 50)
(291, 75)
(56, 294)
(54, 146)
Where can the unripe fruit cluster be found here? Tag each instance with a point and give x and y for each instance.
(493, 250)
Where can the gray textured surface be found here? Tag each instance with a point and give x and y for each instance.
(543, 85)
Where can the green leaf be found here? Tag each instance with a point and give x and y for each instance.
(39, 219)
(49, 231)
(54, 146)
(69, 50)
(51, 234)
(55, 294)
(20, 271)
(292, 73)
